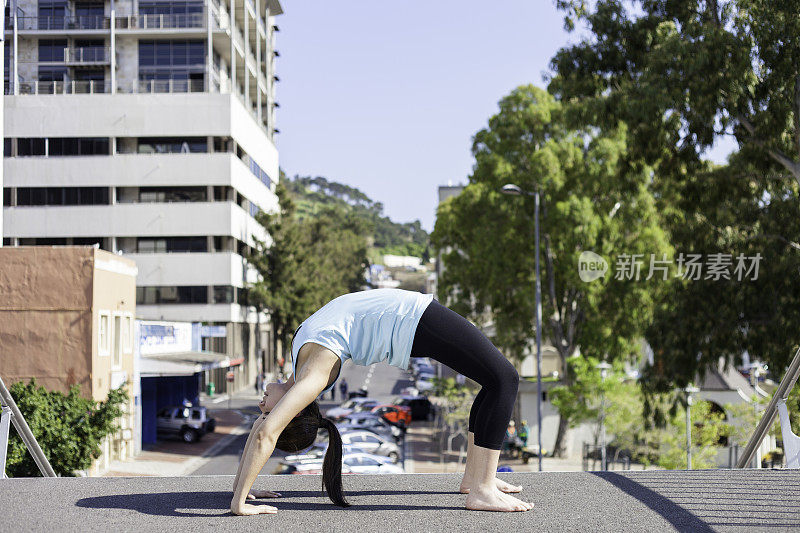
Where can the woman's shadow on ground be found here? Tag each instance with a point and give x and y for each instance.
(191, 504)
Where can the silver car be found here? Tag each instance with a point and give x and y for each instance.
(189, 423)
(372, 443)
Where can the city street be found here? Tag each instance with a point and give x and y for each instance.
(383, 382)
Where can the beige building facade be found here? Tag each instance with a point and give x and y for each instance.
(67, 318)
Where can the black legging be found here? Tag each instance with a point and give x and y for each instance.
(447, 337)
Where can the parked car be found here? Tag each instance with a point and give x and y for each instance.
(371, 422)
(316, 453)
(314, 468)
(189, 423)
(352, 463)
(379, 431)
(372, 443)
(365, 463)
(422, 367)
(421, 407)
(424, 382)
(418, 361)
(396, 414)
(351, 406)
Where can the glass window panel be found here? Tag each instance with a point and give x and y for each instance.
(163, 53)
(146, 53)
(55, 196)
(179, 53)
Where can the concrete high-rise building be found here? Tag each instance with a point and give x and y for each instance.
(147, 127)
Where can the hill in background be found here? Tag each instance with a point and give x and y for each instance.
(388, 237)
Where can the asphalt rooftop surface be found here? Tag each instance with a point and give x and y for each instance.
(708, 500)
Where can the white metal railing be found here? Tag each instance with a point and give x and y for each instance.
(166, 86)
(10, 414)
(60, 87)
(778, 403)
(87, 54)
(161, 21)
(80, 22)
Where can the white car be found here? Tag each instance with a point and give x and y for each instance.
(424, 382)
(354, 405)
(309, 468)
(352, 463)
(365, 463)
(372, 443)
(317, 453)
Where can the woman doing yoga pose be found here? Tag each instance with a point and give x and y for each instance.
(389, 325)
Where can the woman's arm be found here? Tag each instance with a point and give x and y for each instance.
(260, 420)
(311, 381)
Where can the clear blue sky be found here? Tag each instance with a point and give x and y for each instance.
(386, 97)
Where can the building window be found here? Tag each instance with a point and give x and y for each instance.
(52, 49)
(104, 342)
(178, 12)
(196, 294)
(52, 14)
(7, 147)
(242, 296)
(90, 15)
(223, 294)
(31, 146)
(61, 146)
(6, 197)
(173, 194)
(89, 241)
(172, 245)
(172, 145)
(127, 333)
(117, 342)
(52, 73)
(38, 196)
(177, 60)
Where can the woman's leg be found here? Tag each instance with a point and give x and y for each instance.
(449, 338)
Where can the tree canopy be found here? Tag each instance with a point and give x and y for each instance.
(594, 197)
(680, 74)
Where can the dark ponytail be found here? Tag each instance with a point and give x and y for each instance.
(332, 464)
(301, 433)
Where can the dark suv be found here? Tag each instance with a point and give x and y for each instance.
(421, 407)
(190, 423)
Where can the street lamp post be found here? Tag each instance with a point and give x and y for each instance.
(756, 369)
(689, 391)
(604, 368)
(512, 189)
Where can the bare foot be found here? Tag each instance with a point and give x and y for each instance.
(501, 485)
(516, 501)
(255, 494)
(494, 500)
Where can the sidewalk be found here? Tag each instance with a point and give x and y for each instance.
(170, 458)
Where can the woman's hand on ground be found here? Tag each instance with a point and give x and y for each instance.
(256, 494)
(247, 510)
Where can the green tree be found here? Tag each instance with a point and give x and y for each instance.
(682, 72)
(487, 239)
(679, 74)
(306, 262)
(68, 427)
(707, 426)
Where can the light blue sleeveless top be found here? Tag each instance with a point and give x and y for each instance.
(366, 326)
